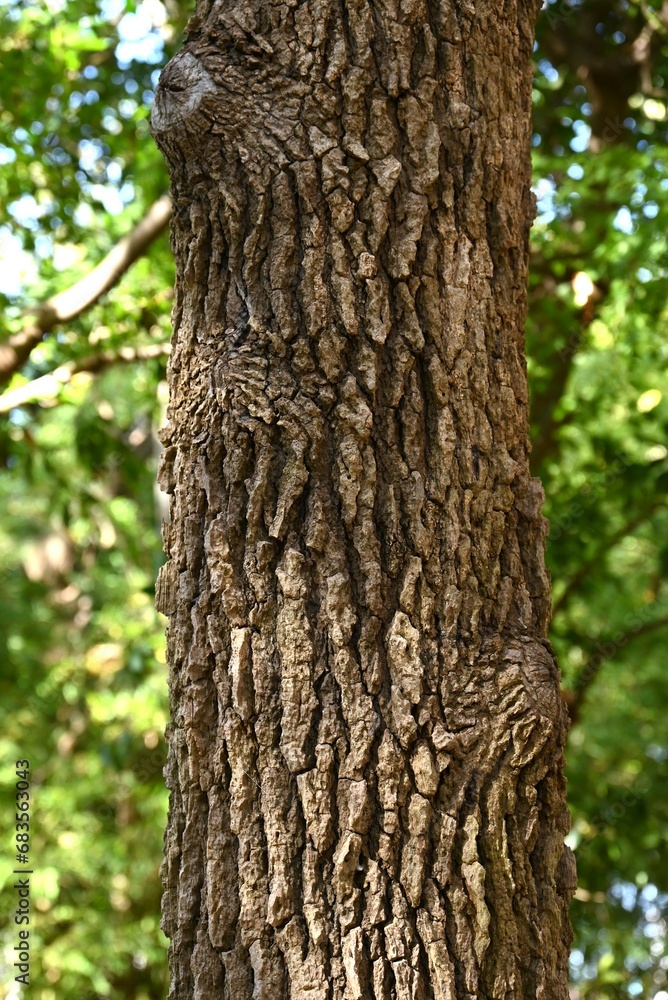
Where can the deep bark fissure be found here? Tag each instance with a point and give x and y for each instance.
(366, 745)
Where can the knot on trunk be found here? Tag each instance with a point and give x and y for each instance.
(184, 83)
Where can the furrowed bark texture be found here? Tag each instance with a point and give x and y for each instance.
(366, 739)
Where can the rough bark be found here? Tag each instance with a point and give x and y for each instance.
(366, 773)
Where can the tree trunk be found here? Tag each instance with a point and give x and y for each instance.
(366, 746)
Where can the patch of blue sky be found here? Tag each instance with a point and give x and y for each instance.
(623, 221)
(580, 141)
(548, 70)
(545, 189)
(149, 49)
(140, 40)
(26, 211)
(109, 196)
(17, 268)
(90, 152)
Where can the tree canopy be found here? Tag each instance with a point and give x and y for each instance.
(85, 294)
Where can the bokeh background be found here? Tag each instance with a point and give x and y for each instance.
(82, 656)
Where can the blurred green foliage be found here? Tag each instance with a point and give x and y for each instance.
(82, 660)
(82, 674)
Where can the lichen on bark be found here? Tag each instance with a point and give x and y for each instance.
(366, 745)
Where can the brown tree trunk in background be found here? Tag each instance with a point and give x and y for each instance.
(366, 737)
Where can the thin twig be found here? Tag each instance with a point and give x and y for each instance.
(48, 386)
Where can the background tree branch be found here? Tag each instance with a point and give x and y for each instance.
(67, 305)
